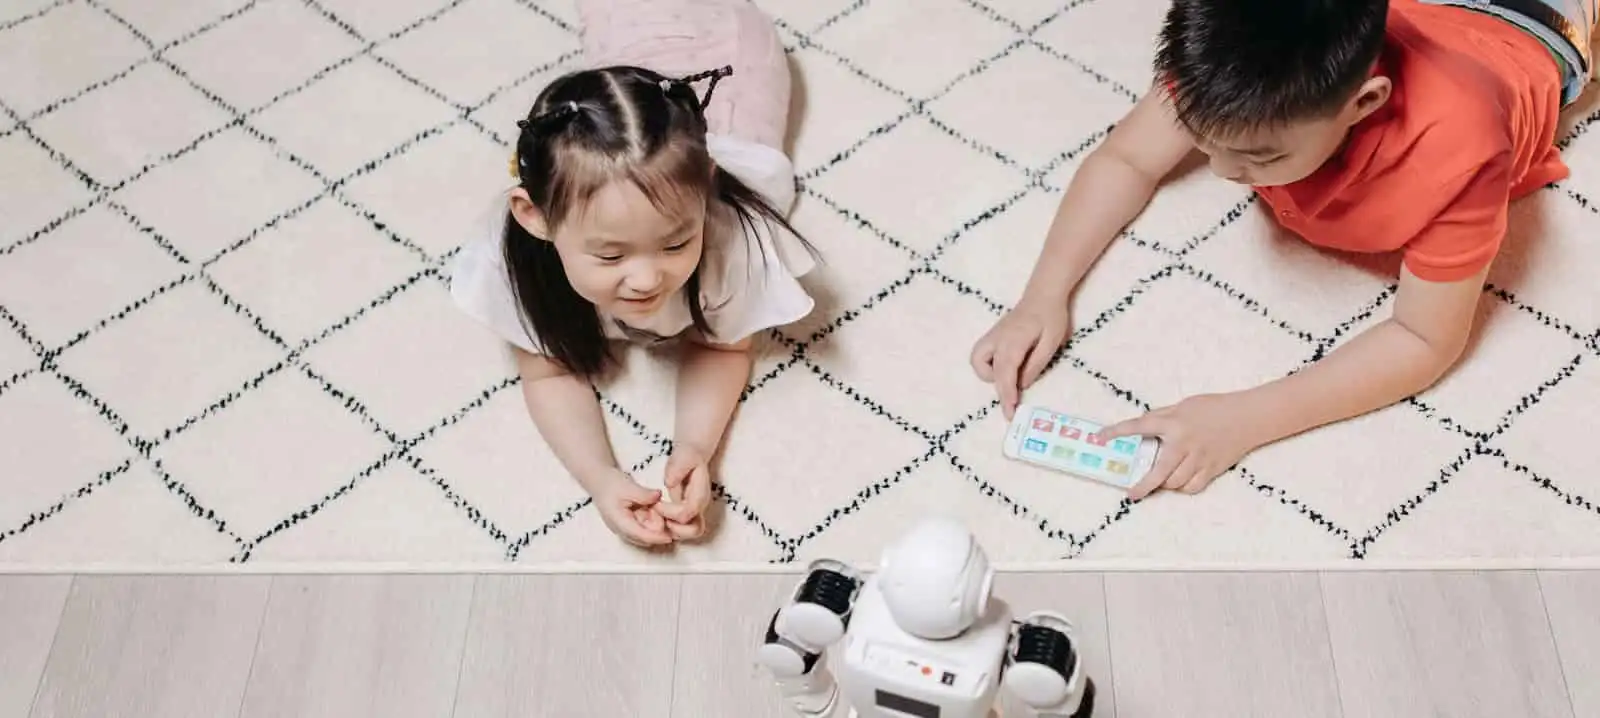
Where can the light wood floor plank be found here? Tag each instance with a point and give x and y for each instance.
(1463, 645)
(570, 647)
(1572, 599)
(721, 623)
(1081, 598)
(352, 646)
(138, 646)
(1204, 645)
(30, 607)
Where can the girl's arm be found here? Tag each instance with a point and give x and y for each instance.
(710, 380)
(568, 416)
(567, 412)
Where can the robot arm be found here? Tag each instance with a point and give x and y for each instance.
(1044, 671)
(800, 633)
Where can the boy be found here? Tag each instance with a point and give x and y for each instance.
(1365, 125)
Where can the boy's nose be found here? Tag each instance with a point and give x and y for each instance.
(1231, 171)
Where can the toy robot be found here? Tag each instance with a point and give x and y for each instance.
(922, 638)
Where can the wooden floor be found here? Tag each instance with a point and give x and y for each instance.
(1278, 645)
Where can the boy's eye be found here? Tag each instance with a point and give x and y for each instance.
(609, 257)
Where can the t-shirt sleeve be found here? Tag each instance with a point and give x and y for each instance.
(1466, 233)
(753, 283)
(481, 287)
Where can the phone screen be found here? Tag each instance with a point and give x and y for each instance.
(1072, 445)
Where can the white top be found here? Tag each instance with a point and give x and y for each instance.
(743, 290)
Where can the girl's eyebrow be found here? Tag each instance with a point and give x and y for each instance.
(677, 230)
(683, 225)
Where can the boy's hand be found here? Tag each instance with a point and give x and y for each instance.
(630, 510)
(688, 482)
(1013, 353)
(1201, 437)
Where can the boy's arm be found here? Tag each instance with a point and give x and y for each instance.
(1110, 188)
(1203, 436)
(1399, 357)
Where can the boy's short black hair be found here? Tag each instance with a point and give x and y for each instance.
(1239, 65)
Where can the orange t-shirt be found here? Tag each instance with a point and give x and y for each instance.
(1470, 126)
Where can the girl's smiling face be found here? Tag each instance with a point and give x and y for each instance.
(620, 251)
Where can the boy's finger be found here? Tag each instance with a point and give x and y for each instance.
(1040, 358)
(983, 359)
(1145, 425)
(1165, 466)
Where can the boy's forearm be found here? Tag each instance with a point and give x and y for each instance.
(1105, 195)
(1375, 369)
(568, 416)
(710, 381)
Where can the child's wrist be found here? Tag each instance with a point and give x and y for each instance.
(1057, 297)
(597, 478)
(681, 446)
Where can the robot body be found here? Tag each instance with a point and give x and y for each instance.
(886, 672)
(922, 638)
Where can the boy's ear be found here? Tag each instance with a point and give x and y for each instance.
(528, 215)
(1369, 97)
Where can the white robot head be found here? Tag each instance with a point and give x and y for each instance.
(936, 579)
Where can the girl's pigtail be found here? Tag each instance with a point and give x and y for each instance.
(564, 324)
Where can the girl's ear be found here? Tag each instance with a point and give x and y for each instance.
(528, 215)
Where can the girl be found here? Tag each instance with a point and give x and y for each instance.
(644, 212)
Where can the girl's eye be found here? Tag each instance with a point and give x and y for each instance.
(609, 257)
(679, 247)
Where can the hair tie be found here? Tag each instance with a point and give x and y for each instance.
(543, 122)
(715, 76)
(550, 117)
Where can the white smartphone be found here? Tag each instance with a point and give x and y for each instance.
(1072, 445)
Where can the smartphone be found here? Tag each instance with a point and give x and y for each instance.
(1072, 445)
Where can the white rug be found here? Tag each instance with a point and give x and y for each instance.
(226, 340)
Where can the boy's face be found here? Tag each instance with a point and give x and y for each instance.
(1278, 156)
(1285, 154)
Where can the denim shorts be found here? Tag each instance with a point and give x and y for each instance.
(1565, 26)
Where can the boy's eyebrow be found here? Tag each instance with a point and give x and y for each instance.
(1264, 151)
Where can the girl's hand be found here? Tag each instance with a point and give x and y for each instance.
(630, 510)
(1013, 353)
(1201, 437)
(688, 482)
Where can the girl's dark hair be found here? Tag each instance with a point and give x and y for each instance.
(586, 130)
